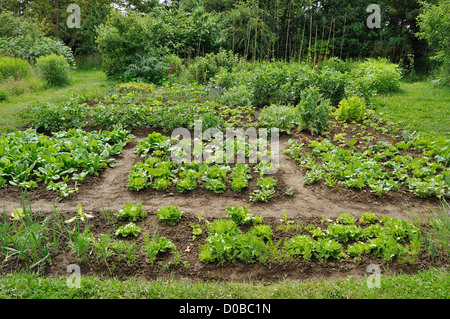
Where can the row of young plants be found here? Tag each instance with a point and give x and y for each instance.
(358, 161)
(158, 171)
(135, 106)
(28, 158)
(379, 167)
(31, 241)
(28, 240)
(386, 237)
(281, 83)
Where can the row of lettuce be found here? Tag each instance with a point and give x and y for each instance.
(238, 236)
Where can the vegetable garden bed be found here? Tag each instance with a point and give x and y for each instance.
(295, 227)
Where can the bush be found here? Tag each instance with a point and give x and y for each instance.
(55, 69)
(331, 84)
(125, 35)
(283, 117)
(237, 96)
(314, 111)
(379, 75)
(205, 68)
(268, 82)
(14, 68)
(351, 109)
(31, 49)
(57, 117)
(147, 67)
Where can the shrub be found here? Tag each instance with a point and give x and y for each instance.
(205, 68)
(351, 109)
(267, 83)
(14, 68)
(31, 49)
(283, 117)
(314, 111)
(237, 96)
(148, 67)
(57, 117)
(332, 84)
(55, 69)
(379, 75)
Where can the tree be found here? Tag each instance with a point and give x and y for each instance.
(434, 22)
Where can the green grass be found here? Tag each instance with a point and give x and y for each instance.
(430, 284)
(418, 106)
(88, 83)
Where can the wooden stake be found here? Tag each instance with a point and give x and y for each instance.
(343, 34)
(301, 42)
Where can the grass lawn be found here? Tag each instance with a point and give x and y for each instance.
(418, 106)
(431, 284)
(89, 83)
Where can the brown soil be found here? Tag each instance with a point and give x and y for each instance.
(307, 205)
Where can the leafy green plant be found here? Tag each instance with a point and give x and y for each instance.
(132, 212)
(127, 251)
(328, 248)
(368, 218)
(153, 142)
(4, 95)
(314, 111)
(346, 219)
(81, 243)
(282, 117)
(241, 215)
(102, 249)
(344, 233)
(128, 229)
(301, 245)
(14, 68)
(187, 182)
(265, 191)
(196, 231)
(226, 242)
(215, 185)
(355, 250)
(351, 109)
(169, 215)
(156, 245)
(55, 69)
(262, 231)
